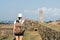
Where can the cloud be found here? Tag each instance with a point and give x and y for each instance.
(55, 11)
(49, 13)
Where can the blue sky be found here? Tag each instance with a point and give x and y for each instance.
(9, 9)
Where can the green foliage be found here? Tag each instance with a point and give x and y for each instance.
(49, 21)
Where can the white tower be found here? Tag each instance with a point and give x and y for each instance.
(41, 15)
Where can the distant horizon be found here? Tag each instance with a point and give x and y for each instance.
(29, 19)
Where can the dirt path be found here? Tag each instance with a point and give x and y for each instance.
(32, 35)
(35, 35)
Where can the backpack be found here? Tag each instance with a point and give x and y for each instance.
(18, 27)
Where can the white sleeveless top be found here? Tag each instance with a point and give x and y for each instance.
(22, 21)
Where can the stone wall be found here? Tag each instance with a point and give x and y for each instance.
(6, 32)
(48, 33)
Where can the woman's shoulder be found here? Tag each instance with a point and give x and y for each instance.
(14, 21)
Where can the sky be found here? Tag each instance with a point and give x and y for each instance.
(9, 9)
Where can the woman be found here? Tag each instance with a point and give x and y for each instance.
(18, 36)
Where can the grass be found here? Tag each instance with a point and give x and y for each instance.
(6, 25)
(54, 27)
(28, 36)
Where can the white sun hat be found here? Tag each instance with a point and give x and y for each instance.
(20, 15)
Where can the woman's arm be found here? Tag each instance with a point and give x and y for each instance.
(14, 28)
